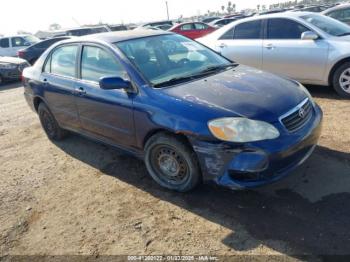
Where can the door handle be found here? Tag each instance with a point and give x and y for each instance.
(80, 91)
(269, 46)
(222, 45)
(45, 82)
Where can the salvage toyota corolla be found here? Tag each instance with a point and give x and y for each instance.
(191, 114)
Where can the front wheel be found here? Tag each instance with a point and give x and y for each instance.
(172, 164)
(341, 80)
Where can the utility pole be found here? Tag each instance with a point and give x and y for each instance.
(167, 9)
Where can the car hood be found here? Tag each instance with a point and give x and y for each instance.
(11, 60)
(243, 91)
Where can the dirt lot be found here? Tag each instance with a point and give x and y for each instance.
(81, 197)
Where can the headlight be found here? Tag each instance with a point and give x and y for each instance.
(8, 66)
(240, 130)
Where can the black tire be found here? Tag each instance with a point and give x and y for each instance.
(337, 79)
(172, 163)
(48, 122)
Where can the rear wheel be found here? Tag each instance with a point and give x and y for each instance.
(172, 164)
(341, 80)
(49, 124)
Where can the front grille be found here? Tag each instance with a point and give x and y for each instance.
(298, 117)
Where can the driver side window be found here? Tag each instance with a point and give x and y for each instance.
(97, 63)
(280, 28)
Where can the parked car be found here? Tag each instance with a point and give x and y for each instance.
(221, 22)
(11, 44)
(308, 47)
(339, 12)
(33, 52)
(191, 114)
(207, 20)
(11, 68)
(314, 8)
(118, 27)
(158, 23)
(88, 30)
(193, 30)
(272, 11)
(239, 16)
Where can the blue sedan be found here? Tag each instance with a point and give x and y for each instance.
(191, 114)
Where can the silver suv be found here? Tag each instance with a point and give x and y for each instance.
(308, 47)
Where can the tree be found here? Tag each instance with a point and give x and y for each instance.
(223, 8)
(54, 27)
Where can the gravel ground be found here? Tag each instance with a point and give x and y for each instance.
(81, 197)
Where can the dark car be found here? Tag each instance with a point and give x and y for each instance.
(11, 68)
(88, 30)
(33, 52)
(221, 22)
(314, 8)
(207, 20)
(191, 114)
(118, 27)
(158, 23)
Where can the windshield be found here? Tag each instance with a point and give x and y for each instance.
(327, 24)
(31, 39)
(164, 58)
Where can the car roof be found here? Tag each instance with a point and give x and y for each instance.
(119, 36)
(337, 7)
(285, 14)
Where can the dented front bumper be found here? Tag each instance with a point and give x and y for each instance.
(255, 164)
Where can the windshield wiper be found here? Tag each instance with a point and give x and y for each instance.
(174, 81)
(208, 70)
(344, 34)
(216, 68)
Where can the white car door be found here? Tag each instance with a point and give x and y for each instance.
(286, 54)
(5, 47)
(243, 43)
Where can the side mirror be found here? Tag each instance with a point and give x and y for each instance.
(309, 35)
(110, 83)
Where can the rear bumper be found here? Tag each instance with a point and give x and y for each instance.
(255, 164)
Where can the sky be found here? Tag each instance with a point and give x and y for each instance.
(34, 15)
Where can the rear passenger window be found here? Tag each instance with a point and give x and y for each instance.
(248, 30)
(63, 61)
(228, 35)
(5, 43)
(280, 28)
(97, 63)
(199, 26)
(187, 27)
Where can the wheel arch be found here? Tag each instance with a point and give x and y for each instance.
(179, 135)
(36, 102)
(335, 67)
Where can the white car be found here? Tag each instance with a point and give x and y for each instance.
(11, 44)
(308, 47)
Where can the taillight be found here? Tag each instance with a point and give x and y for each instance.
(20, 54)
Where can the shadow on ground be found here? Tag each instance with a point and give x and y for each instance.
(323, 92)
(10, 85)
(308, 212)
